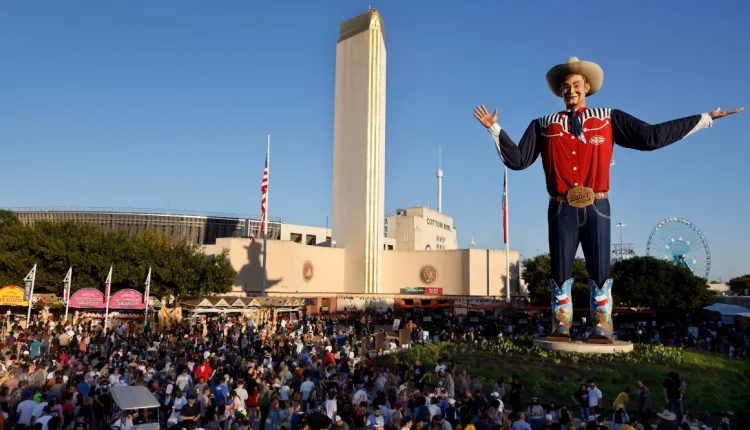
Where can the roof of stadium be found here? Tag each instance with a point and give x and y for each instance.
(136, 211)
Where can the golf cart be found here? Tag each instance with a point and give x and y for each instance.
(135, 398)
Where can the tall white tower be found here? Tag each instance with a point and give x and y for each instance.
(359, 151)
(440, 180)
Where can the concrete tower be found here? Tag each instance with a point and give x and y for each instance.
(440, 180)
(359, 151)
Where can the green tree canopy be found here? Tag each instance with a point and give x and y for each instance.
(537, 272)
(178, 268)
(640, 281)
(654, 283)
(739, 284)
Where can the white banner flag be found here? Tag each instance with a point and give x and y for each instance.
(66, 285)
(148, 288)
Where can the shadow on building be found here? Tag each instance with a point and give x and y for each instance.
(250, 276)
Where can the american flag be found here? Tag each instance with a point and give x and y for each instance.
(264, 197)
(505, 207)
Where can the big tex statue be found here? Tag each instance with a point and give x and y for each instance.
(576, 147)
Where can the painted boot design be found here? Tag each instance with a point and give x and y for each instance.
(601, 313)
(562, 310)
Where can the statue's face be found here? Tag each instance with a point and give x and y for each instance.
(574, 89)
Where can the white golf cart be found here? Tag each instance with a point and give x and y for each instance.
(135, 398)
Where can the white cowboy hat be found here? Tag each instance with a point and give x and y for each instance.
(591, 71)
(669, 416)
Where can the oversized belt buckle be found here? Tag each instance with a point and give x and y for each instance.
(580, 197)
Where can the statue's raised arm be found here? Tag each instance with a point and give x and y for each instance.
(516, 157)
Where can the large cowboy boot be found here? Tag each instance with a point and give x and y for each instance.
(562, 311)
(601, 313)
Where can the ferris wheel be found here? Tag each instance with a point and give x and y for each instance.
(680, 241)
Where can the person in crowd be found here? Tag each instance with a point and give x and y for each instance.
(304, 373)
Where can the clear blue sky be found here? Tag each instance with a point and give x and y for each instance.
(140, 103)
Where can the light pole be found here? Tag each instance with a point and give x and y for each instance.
(620, 225)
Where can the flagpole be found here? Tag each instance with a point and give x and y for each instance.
(145, 297)
(31, 275)
(107, 288)
(66, 292)
(265, 220)
(507, 240)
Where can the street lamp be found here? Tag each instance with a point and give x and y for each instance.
(620, 225)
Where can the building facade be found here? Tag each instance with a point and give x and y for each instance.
(359, 150)
(421, 229)
(298, 270)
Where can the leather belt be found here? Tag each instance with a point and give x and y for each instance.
(564, 198)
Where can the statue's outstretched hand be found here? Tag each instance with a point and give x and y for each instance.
(717, 113)
(487, 119)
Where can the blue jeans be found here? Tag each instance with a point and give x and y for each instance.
(675, 406)
(570, 226)
(584, 413)
(536, 423)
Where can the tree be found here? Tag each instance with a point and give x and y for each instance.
(739, 284)
(178, 268)
(654, 283)
(537, 272)
(639, 281)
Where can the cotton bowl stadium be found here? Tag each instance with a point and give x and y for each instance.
(202, 228)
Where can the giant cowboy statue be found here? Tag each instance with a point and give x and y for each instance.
(576, 147)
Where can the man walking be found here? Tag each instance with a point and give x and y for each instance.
(644, 403)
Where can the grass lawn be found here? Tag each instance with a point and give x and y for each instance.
(715, 382)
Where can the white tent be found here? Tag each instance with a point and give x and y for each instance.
(728, 312)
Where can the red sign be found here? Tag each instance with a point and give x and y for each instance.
(127, 299)
(87, 298)
(433, 291)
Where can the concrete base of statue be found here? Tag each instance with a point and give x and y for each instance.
(617, 347)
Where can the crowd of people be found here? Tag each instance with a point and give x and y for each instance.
(311, 373)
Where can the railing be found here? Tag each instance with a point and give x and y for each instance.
(135, 211)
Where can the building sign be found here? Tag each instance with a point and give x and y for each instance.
(428, 275)
(438, 224)
(87, 298)
(12, 296)
(420, 291)
(127, 299)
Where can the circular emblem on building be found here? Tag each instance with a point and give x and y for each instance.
(428, 275)
(307, 270)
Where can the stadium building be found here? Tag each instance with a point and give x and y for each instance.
(202, 229)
